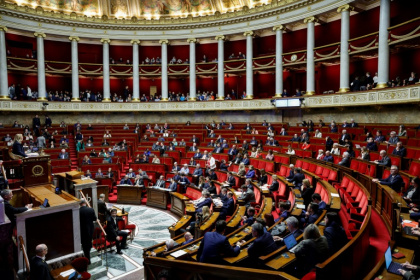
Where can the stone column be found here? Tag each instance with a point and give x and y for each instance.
(136, 76)
(310, 59)
(74, 68)
(220, 67)
(193, 82)
(42, 89)
(279, 59)
(383, 48)
(4, 84)
(249, 67)
(164, 70)
(344, 48)
(105, 69)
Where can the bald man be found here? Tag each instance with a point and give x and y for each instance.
(39, 268)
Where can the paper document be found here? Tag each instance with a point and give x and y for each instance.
(300, 206)
(335, 195)
(67, 272)
(178, 253)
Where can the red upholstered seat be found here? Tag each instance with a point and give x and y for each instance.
(312, 167)
(414, 168)
(281, 192)
(299, 163)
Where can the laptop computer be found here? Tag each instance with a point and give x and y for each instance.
(290, 242)
(45, 204)
(391, 267)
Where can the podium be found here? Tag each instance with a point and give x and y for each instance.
(36, 170)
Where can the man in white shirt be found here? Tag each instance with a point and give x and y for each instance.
(185, 169)
(211, 162)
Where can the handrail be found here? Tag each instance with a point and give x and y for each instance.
(404, 23)
(97, 220)
(25, 255)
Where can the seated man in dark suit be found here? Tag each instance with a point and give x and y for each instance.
(218, 149)
(297, 178)
(193, 148)
(334, 232)
(399, 150)
(311, 215)
(160, 183)
(228, 206)
(247, 195)
(274, 185)
(328, 157)
(126, 181)
(197, 154)
(39, 268)
(232, 152)
(293, 227)
(215, 246)
(385, 160)
(195, 140)
(295, 138)
(114, 234)
(344, 136)
(173, 186)
(249, 217)
(63, 154)
(291, 172)
(345, 161)
(206, 202)
(394, 180)
(284, 207)
(188, 238)
(230, 180)
(316, 197)
(263, 245)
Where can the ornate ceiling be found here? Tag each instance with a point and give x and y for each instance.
(148, 9)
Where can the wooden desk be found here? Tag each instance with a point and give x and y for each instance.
(207, 225)
(380, 267)
(55, 273)
(280, 261)
(406, 216)
(237, 218)
(48, 192)
(157, 197)
(182, 223)
(129, 194)
(178, 203)
(190, 209)
(235, 238)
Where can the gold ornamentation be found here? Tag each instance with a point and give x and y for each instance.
(164, 41)
(40, 34)
(3, 28)
(191, 40)
(279, 27)
(344, 8)
(381, 85)
(310, 19)
(105, 41)
(135, 41)
(220, 37)
(311, 92)
(249, 33)
(343, 90)
(74, 38)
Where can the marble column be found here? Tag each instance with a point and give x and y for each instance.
(4, 84)
(136, 76)
(74, 68)
(42, 88)
(310, 59)
(249, 67)
(344, 48)
(164, 70)
(383, 47)
(279, 59)
(105, 69)
(193, 76)
(220, 67)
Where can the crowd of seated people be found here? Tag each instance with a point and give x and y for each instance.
(367, 82)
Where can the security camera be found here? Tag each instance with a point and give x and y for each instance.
(45, 104)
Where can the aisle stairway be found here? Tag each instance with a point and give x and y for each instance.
(73, 153)
(97, 267)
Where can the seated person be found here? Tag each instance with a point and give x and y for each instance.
(274, 185)
(263, 244)
(88, 174)
(113, 232)
(185, 169)
(328, 157)
(188, 238)
(173, 186)
(249, 217)
(228, 206)
(175, 167)
(412, 195)
(230, 180)
(86, 160)
(247, 195)
(204, 200)
(334, 232)
(131, 173)
(126, 181)
(160, 183)
(399, 150)
(251, 172)
(394, 180)
(297, 178)
(284, 207)
(224, 166)
(99, 174)
(11, 211)
(293, 227)
(199, 219)
(215, 244)
(345, 161)
(197, 171)
(311, 215)
(197, 154)
(138, 181)
(311, 251)
(316, 197)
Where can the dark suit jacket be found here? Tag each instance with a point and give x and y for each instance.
(385, 161)
(232, 151)
(329, 158)
(297, 179)
(262, 246)
(345, 162)
(402, 152)
(228, 207)
(87, 217)
(213, 247)
(126, 182)
(18, 149)
(274, 186)
(415, 198)
(112, 228)
(396, 182)
(291, 174)
(40, 269)
(205, 202)
(173, 187)
(198, 172)
(12, 211)
(102, 207)
(231, 181)
(245, 161)
(344, 137)
(307, 195)
(160, 183)
(197, 155)
(336, 237)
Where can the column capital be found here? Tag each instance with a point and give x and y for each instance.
(40, 34)
(249, 33)
(345, 8)
(310, 19)
(220, 37)
(279, 27)
(3, 28)
(191, 40)
(74, 38)
(105, 41)
(164, 41)
(135, 41)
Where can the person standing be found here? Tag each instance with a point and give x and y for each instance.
(87, 218)
(39, 268)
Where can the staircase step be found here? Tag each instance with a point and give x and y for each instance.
(95, 262)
